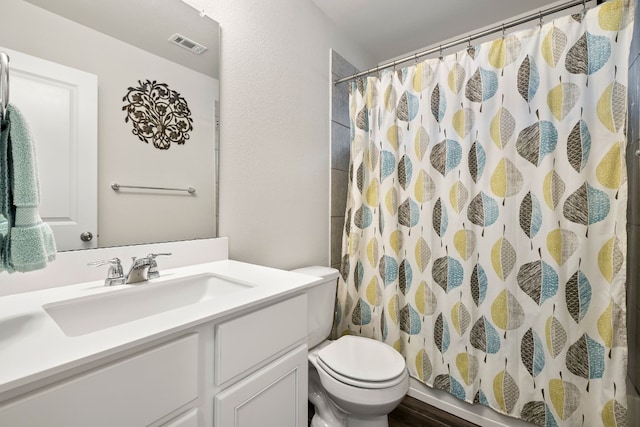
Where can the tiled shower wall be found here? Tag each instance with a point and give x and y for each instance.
(340, 144)
(633, 210)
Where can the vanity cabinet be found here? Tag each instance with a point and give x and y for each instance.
(244, 371)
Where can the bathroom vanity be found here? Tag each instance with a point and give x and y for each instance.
(217, 344)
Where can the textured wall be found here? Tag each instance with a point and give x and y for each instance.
(275, 128)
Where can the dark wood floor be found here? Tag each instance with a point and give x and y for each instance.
(414, 413)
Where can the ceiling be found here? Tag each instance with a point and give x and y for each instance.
(390, 29)
(147, 24)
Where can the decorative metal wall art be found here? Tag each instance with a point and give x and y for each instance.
(158, 114)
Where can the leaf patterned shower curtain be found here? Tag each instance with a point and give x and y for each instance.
(485, 232)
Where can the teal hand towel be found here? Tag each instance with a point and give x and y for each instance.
(29, 243)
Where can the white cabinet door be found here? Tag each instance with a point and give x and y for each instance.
(61, 106)
(275, 396)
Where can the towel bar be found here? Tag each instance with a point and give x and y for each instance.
(117, 187)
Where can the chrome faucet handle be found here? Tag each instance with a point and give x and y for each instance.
(153, 265)
(115, 275)
(153, 256)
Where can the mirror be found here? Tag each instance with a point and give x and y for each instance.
(157, 115)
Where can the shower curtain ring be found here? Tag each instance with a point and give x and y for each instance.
(540, 14)
(415, 56)
(584, 7)
(503, 30)
(441, 52)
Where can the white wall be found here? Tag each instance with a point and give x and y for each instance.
(127, 217)
(275, 126)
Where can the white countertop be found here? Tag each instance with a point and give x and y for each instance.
(33, 347)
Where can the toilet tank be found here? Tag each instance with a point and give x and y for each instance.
(321, 303)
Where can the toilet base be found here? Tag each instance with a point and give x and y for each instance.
(327, 414)
(351, 421)
(379, 421)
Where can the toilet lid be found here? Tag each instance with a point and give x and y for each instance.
(362, 359)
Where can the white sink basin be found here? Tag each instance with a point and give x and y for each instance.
(89, 314)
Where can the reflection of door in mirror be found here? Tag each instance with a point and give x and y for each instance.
(60, 104)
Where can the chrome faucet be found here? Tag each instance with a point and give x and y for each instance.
(141, 270)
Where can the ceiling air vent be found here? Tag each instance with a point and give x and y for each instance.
(186, 43)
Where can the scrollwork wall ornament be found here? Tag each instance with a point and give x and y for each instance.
(158, 114)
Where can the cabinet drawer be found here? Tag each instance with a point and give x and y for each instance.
(246, 341)
(132, 392)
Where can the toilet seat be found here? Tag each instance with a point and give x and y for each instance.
(359, 383)
(362, 362)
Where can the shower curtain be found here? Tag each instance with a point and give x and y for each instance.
(485, 234)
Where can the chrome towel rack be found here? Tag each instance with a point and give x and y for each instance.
(4, 83)
(117, 187)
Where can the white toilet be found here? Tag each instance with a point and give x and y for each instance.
(353, 381)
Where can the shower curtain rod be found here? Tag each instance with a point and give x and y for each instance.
(502, 27)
